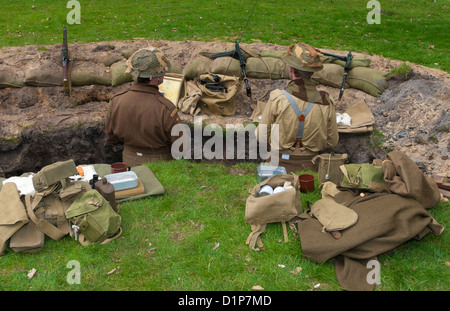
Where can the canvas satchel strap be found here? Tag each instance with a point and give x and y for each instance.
(42, 224)
(283, 224)
(300, 115)
(254, 237)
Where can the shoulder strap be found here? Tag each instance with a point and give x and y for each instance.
(300, 116)
(43, 225)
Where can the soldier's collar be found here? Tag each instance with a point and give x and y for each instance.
(153, 89)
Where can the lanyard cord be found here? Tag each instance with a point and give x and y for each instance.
(245, 28)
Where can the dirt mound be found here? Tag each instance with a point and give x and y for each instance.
(40, 125)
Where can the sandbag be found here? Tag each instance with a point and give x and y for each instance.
(369, 80)
(9, 79)
(356, 62)
(43, 77)
(174, 67)
(81, 77)
(227, 66)
(271, 53)
(331, 75)
(118, 74)
(266, 68)
(197, 67)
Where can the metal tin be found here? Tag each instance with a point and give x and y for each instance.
(265, 171)
(123, 180)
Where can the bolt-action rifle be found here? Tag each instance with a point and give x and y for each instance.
(67, 85)
(348, 60)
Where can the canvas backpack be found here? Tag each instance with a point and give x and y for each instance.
(93, 219)
(278, 207)
(218, 93)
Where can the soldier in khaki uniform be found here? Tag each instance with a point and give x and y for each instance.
(142, 118)
(310, 127)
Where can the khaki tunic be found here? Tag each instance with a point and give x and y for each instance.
(320, 128)
(142, 119)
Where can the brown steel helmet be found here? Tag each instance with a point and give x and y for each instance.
(304, 57)
(147, 63)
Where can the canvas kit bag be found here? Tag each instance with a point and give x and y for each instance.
(362, 176)
(53, 173)
(45, 211)
(93, 219)
(45, 208)
(12, 214)
(329, 167)
(218, 93)
(278, 207)
(188, 103)
(46, 214)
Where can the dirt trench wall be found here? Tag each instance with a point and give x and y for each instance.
(40, 124)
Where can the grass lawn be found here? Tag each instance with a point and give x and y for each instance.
(193, 238)
(412, 31)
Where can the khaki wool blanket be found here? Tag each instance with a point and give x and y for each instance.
(385, 222)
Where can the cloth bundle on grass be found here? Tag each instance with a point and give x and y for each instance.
(385, 221)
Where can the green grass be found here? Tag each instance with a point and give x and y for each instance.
(193, 238)
(412, 31)
(170, 241)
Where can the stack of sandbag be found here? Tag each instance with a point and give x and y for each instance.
(259, 65)
(46, 70)
(360, 76)
(269, 65)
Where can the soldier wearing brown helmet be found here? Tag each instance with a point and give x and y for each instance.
(306, 117)
(142, 118)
